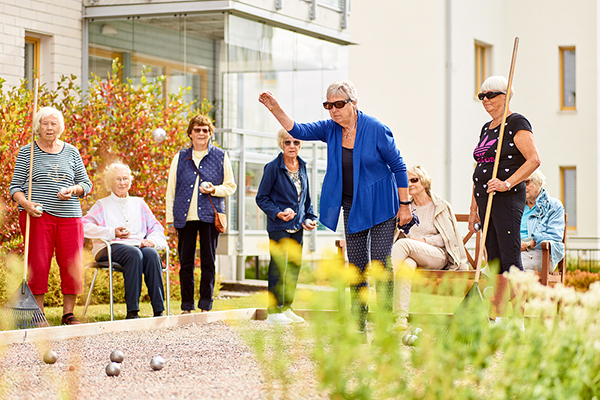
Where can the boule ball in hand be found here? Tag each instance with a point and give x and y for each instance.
(159, 134)
(309, 222)
(113, 369)
(117, 356)
(40, 208)
(50, 357)
(64, 190)
(288, 210)
(477, 226)
(157, 363)
(205, 185)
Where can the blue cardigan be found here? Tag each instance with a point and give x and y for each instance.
(277, 192)
(377, 166)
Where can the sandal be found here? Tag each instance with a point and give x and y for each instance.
(69, 319)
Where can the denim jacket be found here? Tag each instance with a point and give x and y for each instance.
(547, 223)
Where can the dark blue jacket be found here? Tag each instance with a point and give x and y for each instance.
(277, 192)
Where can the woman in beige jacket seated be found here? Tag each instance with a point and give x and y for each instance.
(435, 243)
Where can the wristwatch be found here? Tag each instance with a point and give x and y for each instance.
(507, 183)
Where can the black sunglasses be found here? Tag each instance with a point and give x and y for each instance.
(289, 143)
(414, 180)
(336, 104)
(489, 95)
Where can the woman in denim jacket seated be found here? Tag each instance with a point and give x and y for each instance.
(543, 220)
(284, 195)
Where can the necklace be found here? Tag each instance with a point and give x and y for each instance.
(348, 134)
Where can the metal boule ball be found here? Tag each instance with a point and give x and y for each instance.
(40, 208)
(157, 363)
(477, 226)
(417, 331)
(50, 357)
(411, 340)
(159, 134)
(205, 185)
(113, 369)
(288, 210)
(64, 190)
(117, 356)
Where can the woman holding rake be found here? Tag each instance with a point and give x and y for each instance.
(518, 159)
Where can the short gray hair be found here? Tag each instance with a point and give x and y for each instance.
(111, 171)
(538, 178)
(497, 84)
(46, 112)
(282, 135)
(344, 88)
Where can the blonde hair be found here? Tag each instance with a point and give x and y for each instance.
(46, 112)
(282, 135)
(423, 177)
(112, 170)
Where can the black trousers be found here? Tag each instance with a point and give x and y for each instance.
(503, 241)
(137, 262)
(284, 269)
(209, 237)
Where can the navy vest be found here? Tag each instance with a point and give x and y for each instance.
(210, 170)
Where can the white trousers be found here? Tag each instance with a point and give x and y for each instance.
(532, 260)
(407, 254)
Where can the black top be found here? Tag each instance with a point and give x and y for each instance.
(511, 158)
(347, 174)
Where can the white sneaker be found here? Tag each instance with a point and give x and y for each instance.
(278, 318)
(290, 314)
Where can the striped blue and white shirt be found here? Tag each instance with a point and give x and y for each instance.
(51, 172)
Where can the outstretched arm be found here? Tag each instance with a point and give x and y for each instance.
(272, 104)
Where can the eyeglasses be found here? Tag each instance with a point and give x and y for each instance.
(289, 143)
(414, 180)
(527, 181)
(198, 130)
(121, 179)
(336, 104)
(489, 95)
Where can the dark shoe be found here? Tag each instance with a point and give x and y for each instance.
(159, 314)
(186, 312)
(69, 319)
(132, 315)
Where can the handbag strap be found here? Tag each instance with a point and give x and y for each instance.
(200, 183)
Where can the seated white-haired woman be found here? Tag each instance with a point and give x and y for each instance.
(543, 220)
(134, 235)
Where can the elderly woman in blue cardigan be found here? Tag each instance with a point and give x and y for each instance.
(365, 176)
(284, 196)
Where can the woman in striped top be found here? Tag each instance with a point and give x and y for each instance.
(59, 180)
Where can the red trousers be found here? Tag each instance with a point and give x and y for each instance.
(50, 236)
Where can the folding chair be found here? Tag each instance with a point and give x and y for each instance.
(116, 267)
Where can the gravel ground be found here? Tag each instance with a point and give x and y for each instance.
(203, 361)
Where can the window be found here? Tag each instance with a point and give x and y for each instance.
(567, 78)
(568, 192)
(481, 55)
(32, 60)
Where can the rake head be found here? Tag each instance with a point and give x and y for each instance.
(22, 311)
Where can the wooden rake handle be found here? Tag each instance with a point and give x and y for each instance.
(27, 221)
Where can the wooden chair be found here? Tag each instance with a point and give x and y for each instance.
(116, 267)
(548, 277)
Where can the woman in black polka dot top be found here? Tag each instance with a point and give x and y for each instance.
(518, 159)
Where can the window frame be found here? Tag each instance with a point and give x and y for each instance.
(37, 45)
(481, 64)
(572, 218)
(562, 50)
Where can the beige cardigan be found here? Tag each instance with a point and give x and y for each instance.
(446, 224)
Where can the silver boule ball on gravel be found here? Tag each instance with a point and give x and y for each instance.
(113, 369)
(117, 356)
(50, 357)
(159, 134)
(409, 339)
(205, 185)
(40, 208)
(157, 363)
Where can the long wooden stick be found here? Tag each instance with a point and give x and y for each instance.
(27, 222)
(497, 160)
